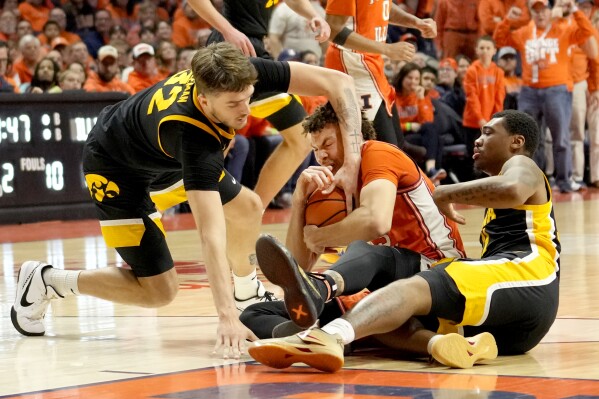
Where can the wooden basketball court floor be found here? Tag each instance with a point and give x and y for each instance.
(95, 349)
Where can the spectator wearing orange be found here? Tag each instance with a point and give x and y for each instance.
(30, 50)
(8, 25)
(35, 12)
(122, 13)
(416, 115)
(485, 91)
(507, 61)
(145, 71)
(457, 27)
(491, 12)
(584, 70)
(58, 15)
(187, 26)
(7, 83)
(546, 91)
(107, 77)
(160, 12)
(50, 31)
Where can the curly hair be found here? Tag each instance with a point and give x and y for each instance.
(325, 115)
(518, 122)
(222, 67)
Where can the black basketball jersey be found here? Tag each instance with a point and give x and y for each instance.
(250, 17)
(163, 128)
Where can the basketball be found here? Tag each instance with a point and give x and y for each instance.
(324, 209)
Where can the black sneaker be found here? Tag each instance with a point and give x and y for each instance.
(302, 299)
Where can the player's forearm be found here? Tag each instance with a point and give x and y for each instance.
(358, 225)
(344, 101)
(490, 192)
(303, 8)
(208, 13)
(219, 276)
(400, 17)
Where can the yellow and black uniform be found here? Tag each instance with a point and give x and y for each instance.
(140, 148)
(251, 17)
(513, 290)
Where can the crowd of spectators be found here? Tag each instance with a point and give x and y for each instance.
(539, 56)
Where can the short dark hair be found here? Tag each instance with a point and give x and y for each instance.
(326, 115)
(518, 122)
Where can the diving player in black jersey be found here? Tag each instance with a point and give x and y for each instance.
(245, 24)
(181, 126)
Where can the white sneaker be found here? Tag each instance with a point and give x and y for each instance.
(32, 299)
(261, 296)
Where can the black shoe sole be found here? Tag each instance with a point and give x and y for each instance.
(281, 269)
(13, 318)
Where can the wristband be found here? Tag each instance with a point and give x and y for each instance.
(342, 36)
(409, 126)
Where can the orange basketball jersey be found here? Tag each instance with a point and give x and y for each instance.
(369, 18)
(418, 224)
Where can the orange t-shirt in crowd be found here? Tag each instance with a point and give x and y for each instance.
(485, 92)
(579, 67)
(11, 82)
(369, 21)
(310, 103)
(185, 31)
(138, 82)
(433, 94)
(25, 74)
(93, 83)
(489, 10)
(413, 109)
(417, 223)
(548, 53)
(456, 15)
(36, 15)
(513, 84)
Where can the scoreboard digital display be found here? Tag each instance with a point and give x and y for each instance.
(41, 141)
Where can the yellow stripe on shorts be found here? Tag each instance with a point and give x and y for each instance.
(123, 232)
(169, 197)
(270, 105)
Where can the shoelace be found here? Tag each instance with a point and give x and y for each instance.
(268, 297)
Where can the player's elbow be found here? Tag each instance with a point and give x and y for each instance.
(378, 225)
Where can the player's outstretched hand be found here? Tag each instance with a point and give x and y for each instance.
(322, 29)
(445, 205)
(231, 337)
(428, 28)
(240, 41)
(400, 51)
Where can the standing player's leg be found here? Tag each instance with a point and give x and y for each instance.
(286, 114)
(243, 214)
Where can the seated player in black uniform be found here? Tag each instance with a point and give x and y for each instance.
(244, 23)
(180, 126)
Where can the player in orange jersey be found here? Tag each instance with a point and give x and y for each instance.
(396, 210)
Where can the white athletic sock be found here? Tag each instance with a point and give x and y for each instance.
(343, 328)
(246, 286)
(429, 346)
(64, 282)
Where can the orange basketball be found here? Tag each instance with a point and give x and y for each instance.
(322, 210)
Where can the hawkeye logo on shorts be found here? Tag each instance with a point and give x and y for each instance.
(100, 187)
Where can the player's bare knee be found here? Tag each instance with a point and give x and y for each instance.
(161, 290)
(246, 208)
